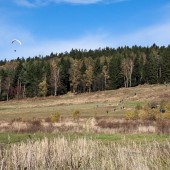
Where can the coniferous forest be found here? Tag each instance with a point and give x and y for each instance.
(82, 71)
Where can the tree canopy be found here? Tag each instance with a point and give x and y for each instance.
(82, 71)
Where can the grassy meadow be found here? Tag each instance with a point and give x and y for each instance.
(98, 137)
(104, 103)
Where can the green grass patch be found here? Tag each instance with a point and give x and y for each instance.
(134, 103)
(7, 138)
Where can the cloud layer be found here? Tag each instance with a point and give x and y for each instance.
(33, 45)
(35, 3)
(159, 34)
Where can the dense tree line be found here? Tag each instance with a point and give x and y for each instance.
(83, 71)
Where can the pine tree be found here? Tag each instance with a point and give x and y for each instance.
(165, 71)
(150, 70)
(65, 65)
(116, 79)
(136, 75)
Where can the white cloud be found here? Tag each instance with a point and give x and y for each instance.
(32, 46)
(77, 1)
(40, 47)
(35, 3)
(25, 3)
(159, 34)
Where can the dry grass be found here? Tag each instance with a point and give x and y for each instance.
(103, 106)
(92, 125)
(97, 114)
(100, 103)
(62, 154)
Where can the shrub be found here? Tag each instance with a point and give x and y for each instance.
(166, 115)
(132, 115)
(163, 104)
(167, 106)
(56, 117)
(150, 114)
(143, 115)
(152, 105)
(34, 126)
(76, 115)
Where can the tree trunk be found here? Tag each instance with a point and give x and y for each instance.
(0, 86)
(55, 86)
(23, 93)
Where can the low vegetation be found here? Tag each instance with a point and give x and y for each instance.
(83, 153)
(118, 129)
(152, 111)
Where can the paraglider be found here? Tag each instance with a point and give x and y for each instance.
(16, 41)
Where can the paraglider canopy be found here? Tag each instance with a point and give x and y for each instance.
(16, 41)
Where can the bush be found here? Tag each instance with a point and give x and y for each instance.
(132, 115)
(56, 117)
(150, 114)
(34, 126)
(163, 104)
(152, 105)
(166, 115)
(143, 115)
(76, 115)
(167, 106)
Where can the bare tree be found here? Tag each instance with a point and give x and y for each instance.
(55, 70)
(75, 75)
(106, 76)
(127, 69)
(89, 77)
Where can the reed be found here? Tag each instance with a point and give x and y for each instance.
(86, 154)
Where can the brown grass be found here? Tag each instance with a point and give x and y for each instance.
(99, 125)
(104, 106)
(61, 153)
(103, 103)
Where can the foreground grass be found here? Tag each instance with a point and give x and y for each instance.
(8, 138)
(64, 153)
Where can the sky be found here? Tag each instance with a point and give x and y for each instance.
(45, 26)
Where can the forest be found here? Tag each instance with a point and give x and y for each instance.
(84, 71)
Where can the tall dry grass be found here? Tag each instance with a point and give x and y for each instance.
(84, 154)
(94, 125)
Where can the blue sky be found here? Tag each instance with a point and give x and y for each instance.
(45, 26)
